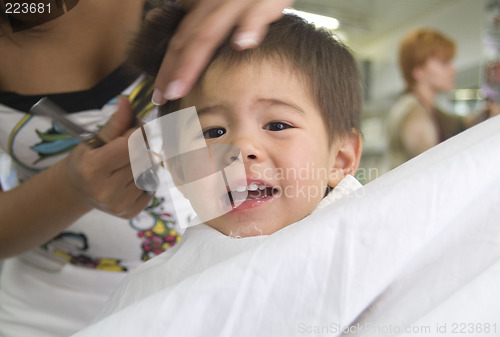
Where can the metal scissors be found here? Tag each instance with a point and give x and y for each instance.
(147, 180)
(46, 107)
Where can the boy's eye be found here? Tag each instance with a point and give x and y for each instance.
(277, 126)
(214, 132)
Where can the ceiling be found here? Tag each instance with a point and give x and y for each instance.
(363, 21)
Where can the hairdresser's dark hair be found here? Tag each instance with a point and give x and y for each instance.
(327, 65)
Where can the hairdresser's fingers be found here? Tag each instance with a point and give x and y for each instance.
(190, 49)
(129, 205)
(138, 205)
(130, 202)
(113, 156)
(100, 175)
(123, 178)
(253, 24)
(202, 30)
(119, 196)
(119, 122)
(129, 132)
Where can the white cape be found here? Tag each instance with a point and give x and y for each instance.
(415, 252)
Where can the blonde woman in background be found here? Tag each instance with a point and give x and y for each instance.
(415, 124)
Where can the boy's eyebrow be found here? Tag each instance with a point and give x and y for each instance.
(208, 109)
(280, 102)
(269, 101)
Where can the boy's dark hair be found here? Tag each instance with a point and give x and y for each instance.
(326, 65)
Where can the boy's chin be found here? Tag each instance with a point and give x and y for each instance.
(244, 230)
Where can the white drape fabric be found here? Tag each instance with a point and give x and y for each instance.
(418, 248)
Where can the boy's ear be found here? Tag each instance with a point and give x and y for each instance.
(345, 158)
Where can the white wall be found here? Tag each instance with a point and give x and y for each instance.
(461, 20)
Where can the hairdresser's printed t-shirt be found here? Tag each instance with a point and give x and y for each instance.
(80, 267)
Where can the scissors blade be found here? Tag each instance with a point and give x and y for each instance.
(46, 107)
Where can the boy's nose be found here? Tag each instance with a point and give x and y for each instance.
(249, 148)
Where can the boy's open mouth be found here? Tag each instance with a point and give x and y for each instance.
(250, 192)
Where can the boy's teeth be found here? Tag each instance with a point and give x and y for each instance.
(241, 189)
(252, 187)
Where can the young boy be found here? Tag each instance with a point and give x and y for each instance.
(292, 107)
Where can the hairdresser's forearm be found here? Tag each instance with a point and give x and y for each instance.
(37, 210)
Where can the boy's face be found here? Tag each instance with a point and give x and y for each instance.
(269, 114)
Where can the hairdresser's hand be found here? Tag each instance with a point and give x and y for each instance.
(103, 176)
(206, 25)
(43, 206)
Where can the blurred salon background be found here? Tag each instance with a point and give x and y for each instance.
(373, 29)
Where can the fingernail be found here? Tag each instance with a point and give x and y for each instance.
(157, 98)
(246, 40)
(175, 90)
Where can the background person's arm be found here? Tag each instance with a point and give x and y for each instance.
(490, 109)
(418, 133)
